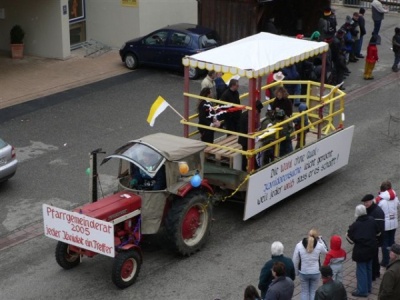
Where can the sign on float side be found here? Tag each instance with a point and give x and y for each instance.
(79, 230)
(297, 171)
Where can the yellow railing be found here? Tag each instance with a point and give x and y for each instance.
(321, 113)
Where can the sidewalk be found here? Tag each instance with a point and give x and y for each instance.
(26, 79)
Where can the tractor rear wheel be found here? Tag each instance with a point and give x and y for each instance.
(66, 258)
(126, 268)
(188, 222)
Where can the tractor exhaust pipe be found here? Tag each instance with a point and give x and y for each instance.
(93, 174)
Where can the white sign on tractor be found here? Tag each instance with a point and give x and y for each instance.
(79, 230)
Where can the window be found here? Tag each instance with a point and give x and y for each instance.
(179, 39)
(156, 38)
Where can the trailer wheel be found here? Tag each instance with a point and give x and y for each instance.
(188, 222)
(65, 258)
(126, 268)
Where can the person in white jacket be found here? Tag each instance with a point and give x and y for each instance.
(388, 202)
(306, 262)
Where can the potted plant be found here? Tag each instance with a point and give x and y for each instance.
(17, 35)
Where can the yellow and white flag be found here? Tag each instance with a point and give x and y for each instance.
(156, 109)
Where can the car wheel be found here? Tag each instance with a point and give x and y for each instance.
(131, 61)
(66, 258)
(193, 73)
(188, 222)
(126, 268)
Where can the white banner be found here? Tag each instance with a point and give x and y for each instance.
(295, 172)
(79, 230)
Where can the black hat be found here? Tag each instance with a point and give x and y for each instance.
(367, 197)
(326, 271)
(395, 249)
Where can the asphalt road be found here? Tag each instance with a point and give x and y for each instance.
(54, 135)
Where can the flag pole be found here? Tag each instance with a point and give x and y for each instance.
(176, 111)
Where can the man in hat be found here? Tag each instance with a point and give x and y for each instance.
(330, 289)
(390, 285)
(327, 25)
(363, 233)
(377, 213)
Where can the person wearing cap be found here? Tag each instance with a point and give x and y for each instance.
(282, 287)
(377, 213)
(349, 39)
(327, 25)
(363, 234)
(266, 276)
(378, 14)
(396, 49)
(330, 289)
(390, 284)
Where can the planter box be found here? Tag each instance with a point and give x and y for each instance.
(17, 51)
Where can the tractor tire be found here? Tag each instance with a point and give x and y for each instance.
(188, 222)
(126, 268)
(65, 258)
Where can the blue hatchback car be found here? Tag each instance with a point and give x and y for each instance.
(167, 46)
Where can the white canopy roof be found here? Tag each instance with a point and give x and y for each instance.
(256, 55)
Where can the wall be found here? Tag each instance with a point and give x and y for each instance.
(113, 24)
(46, 29)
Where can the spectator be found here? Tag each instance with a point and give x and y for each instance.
(349, 39)
(390, 285)
(396, 49)
(355, 31)
(250, 293)
(389, 204)
(361, 23)
(371, 59)
(377, 213)
(335, 258)
(306, 263)
(327, 25)
(206, 117)
(282, 287)
(208, 81)
(232, 120)
(266, 276)
(330, 289)
(378, 14)
(363, 233)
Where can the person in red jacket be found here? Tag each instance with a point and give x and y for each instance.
(371, 58)
(335, 258)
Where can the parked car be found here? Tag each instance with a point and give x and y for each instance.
(8, 161)
(167, 46)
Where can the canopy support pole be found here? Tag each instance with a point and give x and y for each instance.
(321, 93)
(251, 125)
(186, 101)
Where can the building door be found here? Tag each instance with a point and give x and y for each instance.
(77, 22)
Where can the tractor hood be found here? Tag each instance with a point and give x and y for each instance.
(150, 152)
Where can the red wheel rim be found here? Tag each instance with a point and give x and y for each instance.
(127, 269)
(191, 223)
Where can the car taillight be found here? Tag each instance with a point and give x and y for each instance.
(13, 153)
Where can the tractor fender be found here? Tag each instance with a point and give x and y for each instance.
(182, 192)
(132, 246)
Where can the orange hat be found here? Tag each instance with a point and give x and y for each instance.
(327, 12)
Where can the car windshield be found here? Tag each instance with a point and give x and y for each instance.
(209, 40)
(2, 144)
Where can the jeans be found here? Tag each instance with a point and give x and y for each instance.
(309, 284)
(377, 27)
(396, 61)
(358, 46)
(388, 240)
(364, 277)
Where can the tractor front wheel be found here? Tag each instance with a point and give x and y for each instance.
(126, 268)
(66, 258)
(188, 222)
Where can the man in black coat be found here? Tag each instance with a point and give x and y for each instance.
(330, 289)
(377, 213)
(232, 120)
(363, 234)
(361, 23)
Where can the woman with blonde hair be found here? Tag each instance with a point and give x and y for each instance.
(306, 263)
